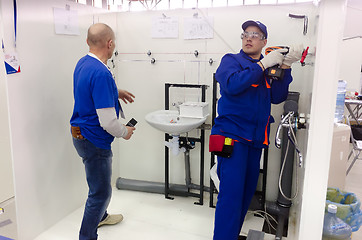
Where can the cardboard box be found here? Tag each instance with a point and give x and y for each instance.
(194, 109)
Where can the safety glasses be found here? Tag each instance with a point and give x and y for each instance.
(252, 35)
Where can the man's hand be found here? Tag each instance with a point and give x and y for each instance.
(130, 132)
(294, 55)
(126, 96)
(273, 58)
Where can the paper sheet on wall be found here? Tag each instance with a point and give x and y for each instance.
(198, 28)
(165, 27)
(66, 21)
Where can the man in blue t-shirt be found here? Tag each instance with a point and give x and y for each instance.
(94, 124)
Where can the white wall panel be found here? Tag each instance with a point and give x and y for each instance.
(49, 175)
(6, 169)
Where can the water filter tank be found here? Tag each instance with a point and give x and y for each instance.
(341, 93)
(334, 227)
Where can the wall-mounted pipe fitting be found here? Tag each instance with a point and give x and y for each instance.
(305, 17)
(196, 53)
(211, 61)
(153, 61)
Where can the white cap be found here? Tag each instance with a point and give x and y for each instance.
(332, 208)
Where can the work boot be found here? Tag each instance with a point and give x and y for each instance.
(111, 220)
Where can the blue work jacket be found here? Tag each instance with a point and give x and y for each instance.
(246, 97)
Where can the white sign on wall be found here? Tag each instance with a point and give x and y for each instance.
(198, 28)
(66, 22)
(165, 27)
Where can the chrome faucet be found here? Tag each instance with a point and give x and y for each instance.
(177, 105)
(283, 123)
(287, 121)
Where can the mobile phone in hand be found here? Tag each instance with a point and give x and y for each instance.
(131, 123)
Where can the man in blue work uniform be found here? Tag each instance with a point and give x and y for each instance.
(244, 118)
(94, 124)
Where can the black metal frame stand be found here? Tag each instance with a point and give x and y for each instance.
(258, 201)
(201, 140)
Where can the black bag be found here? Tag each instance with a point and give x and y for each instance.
(357, 132)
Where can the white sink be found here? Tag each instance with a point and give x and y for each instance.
(170, 122)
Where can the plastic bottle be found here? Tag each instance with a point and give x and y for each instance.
(341, 93)
(333, 227)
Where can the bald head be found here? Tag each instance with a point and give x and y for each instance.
(99, 34)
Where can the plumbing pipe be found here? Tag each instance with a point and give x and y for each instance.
(147, 186)
(291, 104)
(187, 168)
(153, 187)
(174, 145)
(282, 206)
(158, 187)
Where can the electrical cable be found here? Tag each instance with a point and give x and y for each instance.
(266, 217)
(269, 216)
(265, 211)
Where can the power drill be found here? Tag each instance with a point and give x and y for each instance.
(275, 72)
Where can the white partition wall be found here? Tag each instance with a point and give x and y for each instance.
(6, 169)
(49, 175)
(332, 13)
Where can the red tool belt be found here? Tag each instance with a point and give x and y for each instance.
(221, 146)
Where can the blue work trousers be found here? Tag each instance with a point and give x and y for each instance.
(98, 169)
(238, 180)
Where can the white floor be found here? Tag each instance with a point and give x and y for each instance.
(146, 216)
(151, 216)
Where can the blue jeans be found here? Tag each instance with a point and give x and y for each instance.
(238, 180)
(98, 169)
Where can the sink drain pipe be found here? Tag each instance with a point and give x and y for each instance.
(159, 187)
